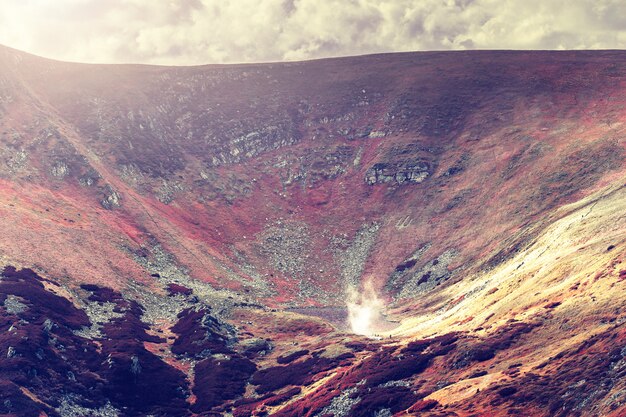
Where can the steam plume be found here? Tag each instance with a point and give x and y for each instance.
(364, 309)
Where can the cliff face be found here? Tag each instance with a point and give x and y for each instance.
(467, 189)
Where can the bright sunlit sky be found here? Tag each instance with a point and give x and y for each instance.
(181, 32)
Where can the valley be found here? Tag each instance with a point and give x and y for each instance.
(428, 233)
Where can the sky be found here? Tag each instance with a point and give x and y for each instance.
(188, 32)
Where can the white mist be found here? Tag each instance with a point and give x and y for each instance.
(364, 309)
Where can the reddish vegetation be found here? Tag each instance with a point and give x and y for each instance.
(577, 384)
(219, 380)
(422, 405)
(248, 407)
(226, 168)
(28, 286)
(416, 170)
(501, 340)
(199, 334)
(385, 366)
(40, 354)
(43, 355)
(291, 357)
(280, 398)
(174, 289)
(297, 373)
(394, 398)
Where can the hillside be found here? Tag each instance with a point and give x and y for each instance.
(187, 240)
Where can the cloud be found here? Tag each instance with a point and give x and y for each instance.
(218, 31)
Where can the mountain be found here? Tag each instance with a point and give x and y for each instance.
(437, 232)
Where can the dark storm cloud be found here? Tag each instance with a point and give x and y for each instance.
(209, 31)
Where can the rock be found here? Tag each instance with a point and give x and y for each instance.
(112, 199)
(13, 305)
(255, 347)
(60, 170)
(399, 173)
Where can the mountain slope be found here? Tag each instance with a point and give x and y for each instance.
(480, 193)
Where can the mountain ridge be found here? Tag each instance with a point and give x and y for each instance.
(254, 204)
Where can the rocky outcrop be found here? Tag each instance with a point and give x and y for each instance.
(111, 199)
(253, 143)
(398, 173)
